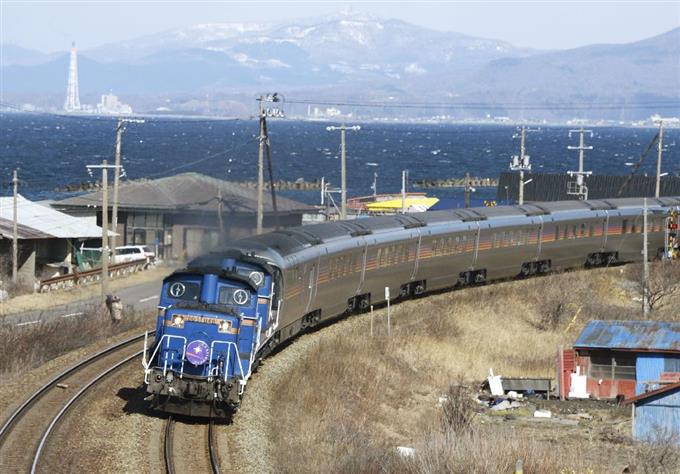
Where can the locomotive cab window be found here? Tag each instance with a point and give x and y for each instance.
(234, 296)
(183, 290)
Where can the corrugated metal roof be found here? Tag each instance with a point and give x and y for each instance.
(41, 222)
(23, 232)
(187, 191)
(630, 335)
(653, 393)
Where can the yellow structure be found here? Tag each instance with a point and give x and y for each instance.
(395, 205)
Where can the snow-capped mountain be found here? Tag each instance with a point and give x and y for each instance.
(354, 56)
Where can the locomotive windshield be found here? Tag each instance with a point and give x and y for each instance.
(234, 296)
(184, 290)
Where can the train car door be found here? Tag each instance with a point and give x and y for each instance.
(541, 226)
(416, 262)
(312, 281)
(363, 257)
(605, 229)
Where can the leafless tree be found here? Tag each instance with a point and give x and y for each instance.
(664, 281)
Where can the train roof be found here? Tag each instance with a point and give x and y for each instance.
(294, 239)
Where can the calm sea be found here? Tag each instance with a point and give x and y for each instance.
(52, 151)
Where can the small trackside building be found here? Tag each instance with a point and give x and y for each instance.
(186, 215)
(656, 414)
(625, 359)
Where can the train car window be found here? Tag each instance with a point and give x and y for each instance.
(633, 227)
(624, 226)
(583, 230)
(557, 232)
(565, 232)
(591, 230)
(184, 290)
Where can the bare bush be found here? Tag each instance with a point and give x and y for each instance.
(487, 450)
(458, 410)
(664, 282)
(659, 455)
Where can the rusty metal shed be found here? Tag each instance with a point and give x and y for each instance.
(628, 358)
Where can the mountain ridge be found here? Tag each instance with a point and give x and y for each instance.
(362, 56)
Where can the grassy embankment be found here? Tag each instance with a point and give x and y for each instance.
(353, 398)
(26, 347)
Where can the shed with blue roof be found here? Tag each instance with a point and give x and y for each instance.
(628, 358)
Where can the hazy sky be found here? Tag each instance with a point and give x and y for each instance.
(51, 25)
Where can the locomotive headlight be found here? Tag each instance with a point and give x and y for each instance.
(178, 321)
(224, 326)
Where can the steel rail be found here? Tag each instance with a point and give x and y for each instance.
(30, 401)
(168, 446)
(212, 449)
(69, 404)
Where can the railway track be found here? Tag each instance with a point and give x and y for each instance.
(211, 458)
(26, 433)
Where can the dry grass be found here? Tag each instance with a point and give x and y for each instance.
(353, 398)
(25, 347)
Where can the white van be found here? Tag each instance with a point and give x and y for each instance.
(132, 253)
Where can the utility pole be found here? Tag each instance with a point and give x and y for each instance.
(343, 165)
(645, 263)
(468, 190)
(120, 128)
(404, 179)
(105, 221)
(15, 236)
(105, 230)
(521, 163)
(578, 187)
(658, 159)
(374, 186)
(263, 113)
(219, 214)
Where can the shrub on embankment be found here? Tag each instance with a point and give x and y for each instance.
(28, 346)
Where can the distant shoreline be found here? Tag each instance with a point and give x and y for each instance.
(672, 123)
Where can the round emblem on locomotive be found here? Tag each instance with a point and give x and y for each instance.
(177, 289)
(240, 297)
(256, 277)
(198, 352)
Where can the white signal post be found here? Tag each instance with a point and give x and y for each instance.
(387, 298)
(343, 165)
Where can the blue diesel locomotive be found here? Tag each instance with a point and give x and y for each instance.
(211, 324)
(227, 310)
